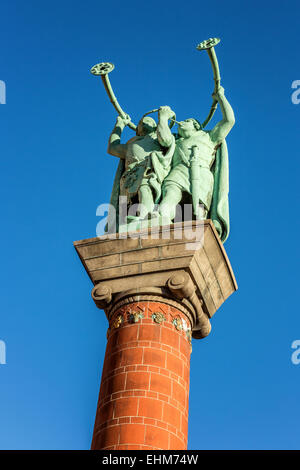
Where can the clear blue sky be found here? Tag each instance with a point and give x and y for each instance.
(55, 172)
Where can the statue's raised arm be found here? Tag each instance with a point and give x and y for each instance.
(115, 147)
(222, 129)
(164, 133)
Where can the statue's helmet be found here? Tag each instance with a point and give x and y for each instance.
(146, 125)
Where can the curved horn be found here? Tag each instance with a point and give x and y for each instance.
(103, 69)
(156, 110)
(208, 45)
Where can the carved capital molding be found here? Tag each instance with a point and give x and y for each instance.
(181, 295)
(182, 287)
(102, 295)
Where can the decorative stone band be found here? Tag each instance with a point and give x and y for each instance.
(129, 311)
(151, 295)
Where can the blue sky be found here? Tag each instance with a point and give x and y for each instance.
(55, 172)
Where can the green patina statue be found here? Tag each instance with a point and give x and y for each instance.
(159, 170)
(145, 162)
(200, 169)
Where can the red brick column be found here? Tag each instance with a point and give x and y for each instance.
(143, 400)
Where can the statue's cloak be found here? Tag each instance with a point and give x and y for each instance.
(219, 209)
(112, 225)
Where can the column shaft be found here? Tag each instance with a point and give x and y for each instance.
(143, 400)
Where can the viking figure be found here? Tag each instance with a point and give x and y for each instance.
(200, 169)
(144, 162)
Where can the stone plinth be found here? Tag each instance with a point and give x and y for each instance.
(158, 288)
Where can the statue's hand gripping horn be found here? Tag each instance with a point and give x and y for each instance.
(103, 69)
(208, 45)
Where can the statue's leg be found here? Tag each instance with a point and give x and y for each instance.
(171, 197)
(145, 200)
(202, 212)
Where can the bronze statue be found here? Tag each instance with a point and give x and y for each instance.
(159, 170)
